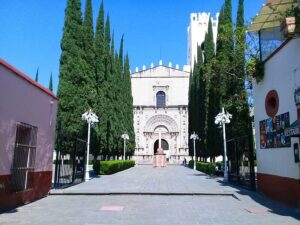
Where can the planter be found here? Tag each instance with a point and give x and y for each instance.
(290, 27)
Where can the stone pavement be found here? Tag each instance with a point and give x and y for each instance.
(143, 179)
(181, 203)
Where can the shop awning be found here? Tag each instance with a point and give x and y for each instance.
(269, 15)
(293, 130)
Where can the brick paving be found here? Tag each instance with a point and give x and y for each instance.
(218, 204)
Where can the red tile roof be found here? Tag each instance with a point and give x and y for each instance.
(27, 78)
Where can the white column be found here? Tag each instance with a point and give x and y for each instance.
(159, 138)
(87, 173)
(225, 152)
(124, 148)
(194, 153)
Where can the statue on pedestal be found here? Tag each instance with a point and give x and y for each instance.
(160, 156)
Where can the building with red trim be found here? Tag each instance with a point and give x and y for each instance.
(277, 106)
(27, 131)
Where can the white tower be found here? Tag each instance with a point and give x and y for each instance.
(196, 33)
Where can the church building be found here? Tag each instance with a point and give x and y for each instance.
(160, 106)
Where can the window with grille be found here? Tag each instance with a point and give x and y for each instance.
(160, 99)
(24, 157)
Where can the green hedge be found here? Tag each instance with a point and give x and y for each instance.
(204, 167)
(112, 166)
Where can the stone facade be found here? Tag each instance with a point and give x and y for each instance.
(160, 101)
(196, 33)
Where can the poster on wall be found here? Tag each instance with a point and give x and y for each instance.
(272, 132)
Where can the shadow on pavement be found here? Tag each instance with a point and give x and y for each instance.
(274, 206)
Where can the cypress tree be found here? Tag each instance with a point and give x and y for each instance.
(100, 77)
(72, 75)
(108, 90)
(209, 45)
(121, 53)
(190, 110)
(90, 87)
(89, 55)
(37, 75)
(199, 93)
(50, 83)
(191, 104)
(129, 107)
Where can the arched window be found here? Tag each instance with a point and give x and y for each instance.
(160, 99)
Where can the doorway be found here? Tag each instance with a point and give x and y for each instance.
(164, 145)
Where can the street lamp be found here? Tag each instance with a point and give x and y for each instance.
(91, 118)
(223, 118)
(125, 137)
(194, 136)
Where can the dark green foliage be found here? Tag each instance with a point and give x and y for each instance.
(37, 75)
(212, 137)
(114, 105)
(128, 113)
(51, 83)
(93, 75)
(100, 77)
(71, 94)
(89, 56)
(208, 168)
(113, 166)
(209, 45)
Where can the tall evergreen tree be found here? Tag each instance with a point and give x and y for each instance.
(89, 55)
(121, 55)
(50, 83)
(90, 87)
(200, 93)
(108, 90)
(72, 75)
(209, 45)
(37, 75)
(100, 78)
(128, 106)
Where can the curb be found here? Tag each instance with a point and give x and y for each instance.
(144, 193)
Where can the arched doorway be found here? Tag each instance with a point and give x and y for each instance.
(164, 145)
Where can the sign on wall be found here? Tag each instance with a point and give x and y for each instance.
(272, 132)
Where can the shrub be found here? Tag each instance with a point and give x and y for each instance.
(205, 167)
(112, 166)
(191, 164)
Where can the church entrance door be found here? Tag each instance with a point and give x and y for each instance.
(164, 145)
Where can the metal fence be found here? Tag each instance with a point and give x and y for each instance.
(70, 161)
(241, 162)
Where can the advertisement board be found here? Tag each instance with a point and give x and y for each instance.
(272, 132)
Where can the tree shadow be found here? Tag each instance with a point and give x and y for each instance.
(273, 206)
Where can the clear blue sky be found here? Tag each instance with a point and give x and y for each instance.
(31, 30)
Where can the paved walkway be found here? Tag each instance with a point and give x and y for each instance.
(189, 198)
(143, 179)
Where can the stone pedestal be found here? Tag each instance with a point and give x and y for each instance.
(160, 158)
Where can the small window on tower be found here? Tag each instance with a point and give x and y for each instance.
(160, 99)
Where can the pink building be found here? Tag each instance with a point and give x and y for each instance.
(27, 129)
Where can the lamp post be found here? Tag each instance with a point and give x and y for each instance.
(125, 137)
(222, 118)
(194, 136)
(91, 118)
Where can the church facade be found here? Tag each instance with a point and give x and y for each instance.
(160, 107)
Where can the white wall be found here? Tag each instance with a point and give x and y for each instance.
(282, 73)
(145, 85)
(144, 82)
(196, 33)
